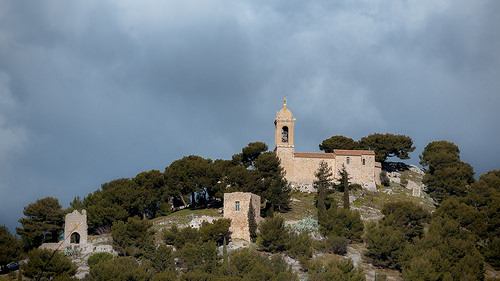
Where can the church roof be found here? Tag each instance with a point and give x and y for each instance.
(284, 112)
(346, 152)
(314, 155)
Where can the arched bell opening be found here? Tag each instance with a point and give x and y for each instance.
(284, 134)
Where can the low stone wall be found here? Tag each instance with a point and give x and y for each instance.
(53, 246)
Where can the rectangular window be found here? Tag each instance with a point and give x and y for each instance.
(237, 205)
(363, 161)
(348, 160)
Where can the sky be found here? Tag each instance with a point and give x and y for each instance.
(92, 91)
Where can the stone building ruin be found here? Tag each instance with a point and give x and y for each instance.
(75, 228)
(75, 231)
(236, 208)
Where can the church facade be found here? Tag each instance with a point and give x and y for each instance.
(300, 167)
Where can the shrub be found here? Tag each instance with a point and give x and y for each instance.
(121, 268)
(385, 246)
(338, 245)
(95, 258)
(215, 231)
(406, 217)
(342, 222)
(133, 238)
(273, 236)
(338, 270)
(163, 259)
(306, 224)
(300, 245)
(53, 264)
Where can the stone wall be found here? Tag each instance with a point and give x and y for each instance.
(239, 218)
(300, 168)
(76, 222)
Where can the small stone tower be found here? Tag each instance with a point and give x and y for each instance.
(75, 228)
(283, 133)
(236, 208)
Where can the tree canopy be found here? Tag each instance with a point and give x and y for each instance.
(43, 222)
(10, 246)
(388, 145)
(338, 142)
(445, 174)
(385, 145)
(322, 184)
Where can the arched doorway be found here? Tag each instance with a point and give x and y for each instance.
(75, 238)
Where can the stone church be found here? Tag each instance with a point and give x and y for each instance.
(301, 166)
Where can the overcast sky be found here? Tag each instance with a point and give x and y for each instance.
(92, 91)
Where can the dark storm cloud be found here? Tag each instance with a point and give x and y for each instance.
(92, 91)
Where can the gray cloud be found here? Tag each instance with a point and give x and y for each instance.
(93, 91)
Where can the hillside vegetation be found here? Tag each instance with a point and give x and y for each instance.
(169, 225)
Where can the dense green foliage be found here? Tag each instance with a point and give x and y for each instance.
(133, 238)
(345, 186)
(10, 246)
(446, 175)
(273, 235)
(95, 258)
(191, 181)
(388, 145)
(385, 246)
(447, 252)
(252, 223)
(384, 145)
(452, 243)
(48, 264)
(322, 184)
(163, 259)
(208, 232)
(121, 268)
(338, 142)
(340, 270)
(406, 217)
(343, 223)
(43, 223)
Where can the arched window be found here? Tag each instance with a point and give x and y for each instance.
(284, 134)
(348, 160)
(237, 205)
(75, 238)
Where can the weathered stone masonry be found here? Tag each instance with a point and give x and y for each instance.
(300, 167)
(236, 208)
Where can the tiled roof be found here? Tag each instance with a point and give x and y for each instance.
(314, 155)
(345, 152)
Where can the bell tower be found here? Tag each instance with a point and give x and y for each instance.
(283, 132)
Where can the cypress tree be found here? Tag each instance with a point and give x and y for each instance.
(252, 224)
(345, 186)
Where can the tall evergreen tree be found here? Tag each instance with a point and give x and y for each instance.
(446, 175)
(322, 183)
(344, 186)
(252, 224)
(43, 222)
(10, 247)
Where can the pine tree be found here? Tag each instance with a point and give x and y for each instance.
(322, 183)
